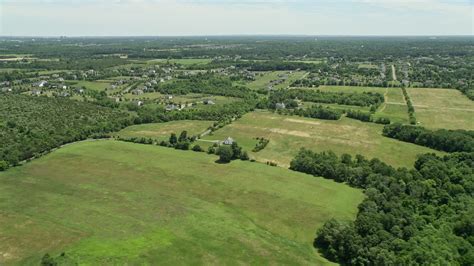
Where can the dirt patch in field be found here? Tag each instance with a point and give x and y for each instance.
(153, 133)
(302, 121)
(290, 132)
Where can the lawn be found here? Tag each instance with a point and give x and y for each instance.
(162, 131)
(442, 108)
(117, 203)
(288, 134)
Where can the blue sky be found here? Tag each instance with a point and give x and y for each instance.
(229, 17)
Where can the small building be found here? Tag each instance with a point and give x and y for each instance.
(169, 97)
(171, 107)
(209, 102)
(137, 92)
(42, 83)
(280, 106)
(228, 141)
(140, 103)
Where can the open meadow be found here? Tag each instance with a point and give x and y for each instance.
(263, 79)
(111, 202)
(442, 108)
(162, 131)
(288, 134)
(92, 85)
(394, 107)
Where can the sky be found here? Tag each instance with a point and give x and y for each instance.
(235, 17)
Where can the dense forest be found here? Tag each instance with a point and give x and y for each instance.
(30, 126)
(420, 216)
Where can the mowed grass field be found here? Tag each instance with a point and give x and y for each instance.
(110, 203)
(394, 106)
(288, 134)
(263, 80)
(162, 131)
(442, 108)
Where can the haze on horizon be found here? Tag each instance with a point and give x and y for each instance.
(233, 17)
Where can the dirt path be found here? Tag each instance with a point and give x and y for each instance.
(385, 97)
(394, 73)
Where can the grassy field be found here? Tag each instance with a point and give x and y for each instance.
(162, 131)
(197, 97)
(350, 89)
(92, 85)
(288, 134)
(185, 61)
(111, 203)
(145, 96)
(265, 78)
(394, 106)
(442, 108)
(368, 66)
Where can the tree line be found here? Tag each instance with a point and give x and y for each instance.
(317, 96)
(441, 139)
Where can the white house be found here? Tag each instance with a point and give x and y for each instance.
(228, 141)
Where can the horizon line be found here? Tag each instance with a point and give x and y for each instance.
(238, 35)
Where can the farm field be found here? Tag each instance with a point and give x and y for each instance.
(263, 81)
(394, 106)
(110, 202)
(288, 134)
(162, 131)
(442, 108)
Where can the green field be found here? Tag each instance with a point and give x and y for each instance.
(185, 61)
(394, 106)
(262, 81)
(442, 108)
(162, 131)
(350, 89)
(110, 203)
(145, 96)
(288, 134)
(91, 85)
(198, 97)
(368, 66)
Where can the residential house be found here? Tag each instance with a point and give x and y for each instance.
(228, 141)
